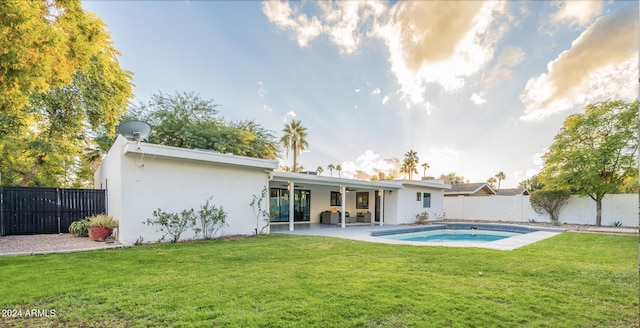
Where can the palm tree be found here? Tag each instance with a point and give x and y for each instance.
(331, 167)
(425, 166)
(409, 163)
(500, 176)
(319, 170)
(294, 138)
(492, 182)
(338, 168)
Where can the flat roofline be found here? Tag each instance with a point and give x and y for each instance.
(331, 181)
(197, 155)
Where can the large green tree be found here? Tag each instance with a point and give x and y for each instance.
(294, 139)
(594, 152)
(188, 121)
(60, 82)
(410, 164)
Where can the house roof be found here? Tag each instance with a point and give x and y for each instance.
(353, 183)
(195, 154)
(512, 192)
(299, 178)
(469, 189)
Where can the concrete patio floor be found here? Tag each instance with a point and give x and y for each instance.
(362, 232)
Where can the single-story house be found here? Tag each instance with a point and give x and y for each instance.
(140, 178)
(470, 189)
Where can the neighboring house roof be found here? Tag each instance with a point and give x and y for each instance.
(512, 192)
(470, 189)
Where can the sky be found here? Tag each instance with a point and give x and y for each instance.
(473, 87)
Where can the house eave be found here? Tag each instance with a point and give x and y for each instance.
(131, 147)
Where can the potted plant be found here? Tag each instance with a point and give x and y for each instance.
(80, 228)
(102, 226)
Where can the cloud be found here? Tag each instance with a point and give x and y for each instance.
(385, 100)
(291, 114)
(445, 49)
(509, 58)
(375, 92)
(369, 163)
(357, 90)
(261, 90)
(477, 99)
(577, 13)
(601, 64)
(267, 108)
(285, 18)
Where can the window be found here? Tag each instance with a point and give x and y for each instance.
(336, 199)
(362, 200)
(426, 200)
(418, 196)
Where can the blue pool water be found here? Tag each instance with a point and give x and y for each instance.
(448, 235)
(480, 233)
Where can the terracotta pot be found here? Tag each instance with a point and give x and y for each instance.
(90, 233)
(101, 233)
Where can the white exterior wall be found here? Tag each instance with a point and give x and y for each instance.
(142, 184)
(578, 210)
(321, 201)
(409, 206)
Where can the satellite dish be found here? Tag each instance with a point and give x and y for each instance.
(134, 130)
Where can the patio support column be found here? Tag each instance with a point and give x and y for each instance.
(291, 201)
(343, 195)
(381, 206)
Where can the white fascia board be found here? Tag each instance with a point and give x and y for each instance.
(198, 155)
(426, 184)
(330, 181)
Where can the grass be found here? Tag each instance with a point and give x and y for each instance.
(571, 280)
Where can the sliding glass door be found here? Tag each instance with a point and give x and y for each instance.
(279, 202)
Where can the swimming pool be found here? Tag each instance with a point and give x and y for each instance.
(452, 235)
(502, 236)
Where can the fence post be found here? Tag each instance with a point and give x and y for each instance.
(58, 191)
(1, 208)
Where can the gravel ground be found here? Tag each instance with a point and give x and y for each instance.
(50, 243)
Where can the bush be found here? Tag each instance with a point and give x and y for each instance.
(422, 218)
(549, 201)
(172, 224)
(212, 218)
(80, 228)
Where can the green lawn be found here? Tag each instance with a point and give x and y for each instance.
(571, 280)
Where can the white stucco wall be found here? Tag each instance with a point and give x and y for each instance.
(578, 210)
(144, 183)
(409, 206)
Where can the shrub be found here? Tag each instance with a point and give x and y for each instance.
(172, 224)
(80, 228)
(258, 211)
(422, 218)
(212, 218)
(550, 202)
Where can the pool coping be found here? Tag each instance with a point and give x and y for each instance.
(368, 233)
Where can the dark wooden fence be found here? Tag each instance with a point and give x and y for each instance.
(29, 210)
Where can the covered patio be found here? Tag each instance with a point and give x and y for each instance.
(308, 201)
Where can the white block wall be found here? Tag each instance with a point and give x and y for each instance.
(141, 185)
(578, 210)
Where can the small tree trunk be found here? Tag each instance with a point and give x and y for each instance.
(598, 212)
(34, 169)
